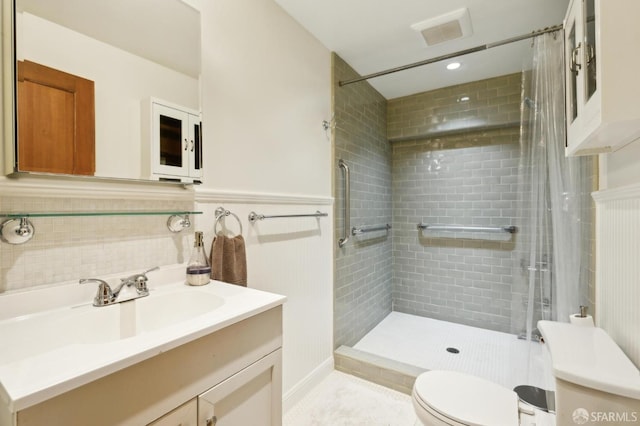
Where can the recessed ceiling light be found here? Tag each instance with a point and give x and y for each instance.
(453, 66)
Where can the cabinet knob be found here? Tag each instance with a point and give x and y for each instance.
(211, 421)
(192, 145)
(186, 144)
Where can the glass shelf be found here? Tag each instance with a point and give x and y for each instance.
(19, 215)
(18, 229)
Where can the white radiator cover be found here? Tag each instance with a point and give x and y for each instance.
(618, 266)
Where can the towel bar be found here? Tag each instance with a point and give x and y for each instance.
(253, 216)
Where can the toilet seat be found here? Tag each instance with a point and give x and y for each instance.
(460, 399)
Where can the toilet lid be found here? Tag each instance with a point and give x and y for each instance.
(467, 399)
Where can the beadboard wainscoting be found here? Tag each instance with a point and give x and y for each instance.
(618, 270)
(288, 256)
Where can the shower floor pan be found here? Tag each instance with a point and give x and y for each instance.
(430, 344)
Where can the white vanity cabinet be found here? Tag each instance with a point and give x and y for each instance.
(249, 397)
(173, 142)
(230, 377)
(601, 68)
(185, 415)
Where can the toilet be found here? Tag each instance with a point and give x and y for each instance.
(593, 378)
(453, 398)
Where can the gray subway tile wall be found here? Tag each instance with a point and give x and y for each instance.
(455, 162)
(460, 277)
(449, 156)
(363, 267)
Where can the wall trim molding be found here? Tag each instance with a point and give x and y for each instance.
(216, 196)
(10, 187)
(621, 193)
(304, 386)
(16, 187)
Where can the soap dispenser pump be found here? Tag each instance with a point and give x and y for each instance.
(198, 268)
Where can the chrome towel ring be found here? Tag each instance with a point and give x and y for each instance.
(221, 213)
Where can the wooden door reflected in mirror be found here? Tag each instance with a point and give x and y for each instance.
(56, 121)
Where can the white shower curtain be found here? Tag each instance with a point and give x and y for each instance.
(550, 249)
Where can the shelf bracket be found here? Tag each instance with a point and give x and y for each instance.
(16, 230)
(177, 223)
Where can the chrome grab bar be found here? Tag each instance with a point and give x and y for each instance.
(347, 204)
(455, 228)
(253, 216)
(357, 230)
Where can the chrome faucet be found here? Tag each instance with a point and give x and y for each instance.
(107, 296)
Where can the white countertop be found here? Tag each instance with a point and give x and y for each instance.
(29, 379)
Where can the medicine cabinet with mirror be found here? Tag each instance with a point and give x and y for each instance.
(88, 77)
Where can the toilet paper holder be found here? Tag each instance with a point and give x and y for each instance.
(583, 311)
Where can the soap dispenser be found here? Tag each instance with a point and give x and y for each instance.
(198, 268)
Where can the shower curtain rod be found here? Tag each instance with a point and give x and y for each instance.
(452, 55)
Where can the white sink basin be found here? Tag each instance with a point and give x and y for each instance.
(157, 311)
(35, 334)
(53, 340)
(30, 335)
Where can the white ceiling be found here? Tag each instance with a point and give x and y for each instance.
(374, 35)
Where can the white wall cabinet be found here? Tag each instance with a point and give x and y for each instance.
(602, 91)
(173, 136)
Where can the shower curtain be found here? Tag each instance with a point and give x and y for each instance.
(550, 250)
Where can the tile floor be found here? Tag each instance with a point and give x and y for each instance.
(345, 400)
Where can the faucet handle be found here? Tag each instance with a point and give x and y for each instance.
(139, 281)
(104, 296)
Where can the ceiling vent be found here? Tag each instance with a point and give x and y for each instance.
(450, 26)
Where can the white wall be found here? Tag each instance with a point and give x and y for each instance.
(266, 90)
(620, 168)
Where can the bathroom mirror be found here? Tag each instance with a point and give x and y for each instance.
(131, 51)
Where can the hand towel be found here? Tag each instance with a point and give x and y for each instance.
(229, 260)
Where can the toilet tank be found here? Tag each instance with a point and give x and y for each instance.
(595, 381)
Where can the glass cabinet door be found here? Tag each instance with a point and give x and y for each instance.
(171, 141)
(195, 147)
(590, 48)
(573, 65)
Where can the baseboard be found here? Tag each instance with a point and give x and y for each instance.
(300, 389)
